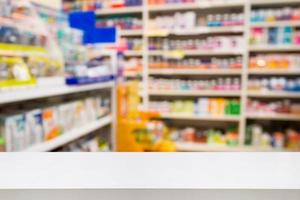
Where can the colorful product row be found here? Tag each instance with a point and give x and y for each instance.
(14, 35)
(201, 107)
(98, 69)
(227, 137)
(16, 72)
(196, 63)
(168, 2)
(20, 131)
(220, 84)
(190, 20)
(287, 139)
(134, 44)
(274, 84)
(91, 143)
(91, 5)
(123, 23)
(132, 66)
(285, 106)
(275, 61)
(275, 36)
(160, 2)
(220, 43)
(273, 15)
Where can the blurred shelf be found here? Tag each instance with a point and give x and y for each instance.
(182, 53)
(197, 147)
(133, 75)
(204, 118)
(24, 94)
(271, 94)
(273, 2)
(276, 24)
(274, 72)
(274, 48)
(171, 72)
(195, 31)
(215, 93)
(22, 53)
(71, 135)
(131, 32)
(133, 53)
(274, 116)
(123, 10)
(205, 4)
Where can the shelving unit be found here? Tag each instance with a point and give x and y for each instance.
(195, 6)
(244, 73)
(113, 11)
(190, 147)
(196, 72)
(58, 88)
(207, 6)
(276, 24)
(19, 95)
(196, 31)
(203, 118)
(274, 72)
(274, 116)
(275, 48)
(133, 53)
(183, 53)
(70, 136)
(213, 93)
(22, 54)
(274, 94)
(127, 33)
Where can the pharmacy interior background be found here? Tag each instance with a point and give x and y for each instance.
(150, 76)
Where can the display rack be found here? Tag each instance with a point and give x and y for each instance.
(71, 135)
(20, 95)
(244, 94)
(207, 6)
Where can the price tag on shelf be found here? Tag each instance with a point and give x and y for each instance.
(176, 54)
(157, 33)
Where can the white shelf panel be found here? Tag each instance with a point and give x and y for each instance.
(42, 92)
(172, 72)
(204, 118)
(70, 136)
(172, 53)
(133, 53)
(274, 72)
(275, 116)
(274, 48)
(196, 31)
(273, 2)
(195, 93)
(194, 147)
(124, 10)
(273, 94)
(130, 32)
(195, 6)
(276, 24)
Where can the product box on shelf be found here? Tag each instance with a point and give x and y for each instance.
(66, 116)
(103, 106)
(14, 72)
(51, 123)
(91, 108)
(34, 127)
(14, 129)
